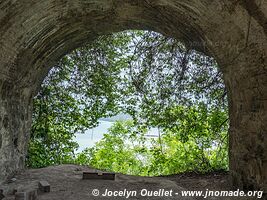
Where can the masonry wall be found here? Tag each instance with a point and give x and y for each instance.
(15, 122)
(247, 83)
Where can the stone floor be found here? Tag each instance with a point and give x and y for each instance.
(67, 184)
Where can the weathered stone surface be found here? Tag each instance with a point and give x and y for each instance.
(20, 196)
(91, 175)
(103, 176)
(109, 176)
(1, 194)
(44, 186)
(26, 195)
(35, 34)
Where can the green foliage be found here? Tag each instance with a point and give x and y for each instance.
(192, 144)
(75, 94)
(155, 79)
(113, 152)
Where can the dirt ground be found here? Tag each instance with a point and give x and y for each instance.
(67, 184)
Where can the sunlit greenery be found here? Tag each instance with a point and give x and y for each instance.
(194, 144)
(155, 79)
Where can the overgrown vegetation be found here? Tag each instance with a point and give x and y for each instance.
(159, 82)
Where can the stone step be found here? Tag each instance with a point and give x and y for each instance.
(44, 186)
(103, 176)
(26, 195)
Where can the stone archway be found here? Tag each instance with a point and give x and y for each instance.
(35, 34)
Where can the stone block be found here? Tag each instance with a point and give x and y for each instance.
(27, 195)
(44, 186)
(108, 176)
(20, 196)
(90, 175)
(103, 176)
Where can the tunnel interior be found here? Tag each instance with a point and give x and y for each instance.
(34, 35)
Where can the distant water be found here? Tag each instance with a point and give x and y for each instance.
(90, 137)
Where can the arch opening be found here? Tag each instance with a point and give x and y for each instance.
(158, 83)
